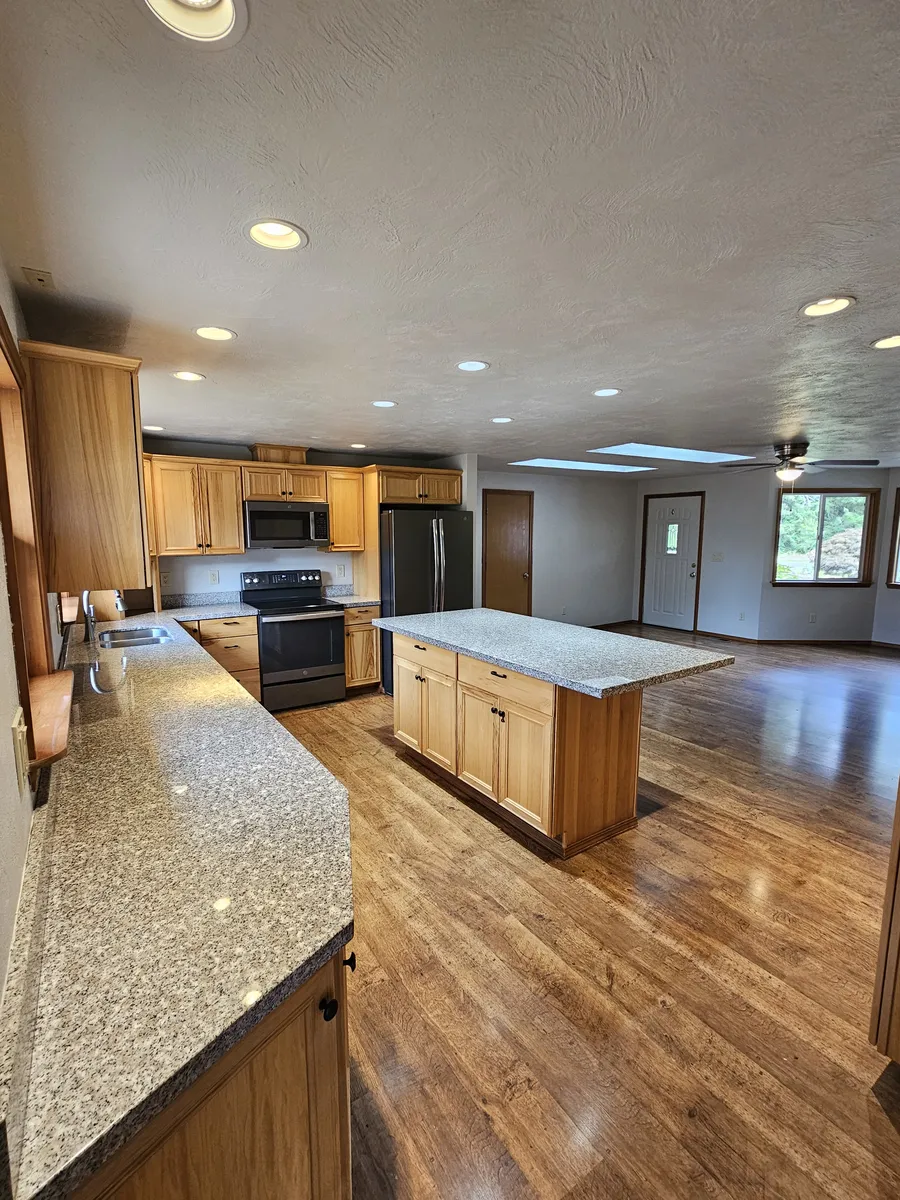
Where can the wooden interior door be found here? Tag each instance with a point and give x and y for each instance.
(439, 718)
(407, 703)
(345, 510)
(477, 741)
(526, 760)
(264, 483)
(506, 539)
(176, 495)
(221, 508)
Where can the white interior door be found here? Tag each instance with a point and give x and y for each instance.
(671, 560)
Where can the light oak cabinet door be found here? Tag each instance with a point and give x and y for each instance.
(308, 484)
(361, 655)
(176, 494)
(438, 738)
(526, 761)
(407, 703)
(345, 509)
(264, 483)
(399, 487)
(220, 506)
(478, 741)
(440, 489)
(148, 500)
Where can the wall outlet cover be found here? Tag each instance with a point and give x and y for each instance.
(20, 750)
(812, 618)
(342, 570)
(214, 578)
(742, 616)
(164, 577)
(717, 556)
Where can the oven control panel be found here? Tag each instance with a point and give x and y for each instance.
(275, 579)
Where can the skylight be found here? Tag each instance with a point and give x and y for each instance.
(672, 453)
(565, 464)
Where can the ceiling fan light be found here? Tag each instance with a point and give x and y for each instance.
(788, 473)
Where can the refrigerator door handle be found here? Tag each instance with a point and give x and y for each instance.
(443, 562)
(435, 594)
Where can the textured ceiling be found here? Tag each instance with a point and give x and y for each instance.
(637, 194)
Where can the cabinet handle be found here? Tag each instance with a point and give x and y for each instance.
(329, 1009)
(351, 961)
(231, 622)
(502, 715)
(494, 709)
(420, 647)
(498, 674)
(235, 647)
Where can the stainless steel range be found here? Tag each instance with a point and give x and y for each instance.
(301, 638)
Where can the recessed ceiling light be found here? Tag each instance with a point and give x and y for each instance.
(472, 364)
(209, 23)
(887, 343)
(215, 333)
(828, 305)
(153, 428)
(278, 235)
(357, 445)
(672, 453)
(565, 464)
(501, 420)
(188, 376)
(607, 391)
(384, 403)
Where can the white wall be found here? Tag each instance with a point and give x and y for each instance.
(15, 808)
(583, 545)
(191, 573)
(886, 627)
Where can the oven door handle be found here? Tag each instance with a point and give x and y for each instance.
(319, 616)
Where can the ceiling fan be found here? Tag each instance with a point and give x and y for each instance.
(791, 462)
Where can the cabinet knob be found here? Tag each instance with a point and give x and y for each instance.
(290, 493)
(284, 493)
(329, 1009)
(494, 709)
(199, 545)
(208, 544)
(351, 961)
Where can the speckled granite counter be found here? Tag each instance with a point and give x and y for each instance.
(353, 601)
(197, 872)
(592, 661)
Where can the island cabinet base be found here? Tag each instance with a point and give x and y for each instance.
(560, 766)
(269, 1119)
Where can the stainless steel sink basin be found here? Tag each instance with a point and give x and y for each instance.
(118, 638)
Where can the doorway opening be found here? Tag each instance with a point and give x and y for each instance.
(507, 527)
(671, 548)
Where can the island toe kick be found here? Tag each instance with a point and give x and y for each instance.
(558, 765)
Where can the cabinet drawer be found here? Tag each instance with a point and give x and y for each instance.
(191, 627)
(249, 680)
(235, 653)
(424, 655)
(226, 627)
(361, 616)
(533, 693)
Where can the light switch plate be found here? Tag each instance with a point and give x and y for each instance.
(20, 749)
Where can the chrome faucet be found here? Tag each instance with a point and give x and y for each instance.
(90, 620)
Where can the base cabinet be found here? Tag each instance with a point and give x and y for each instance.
(526, 765)
(425, 712)
(361, 658)
(479, 738)
(270, 1119)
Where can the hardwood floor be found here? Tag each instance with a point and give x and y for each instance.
(681, 1012)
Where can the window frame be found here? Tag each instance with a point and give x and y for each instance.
(870, 529)
(894, 552)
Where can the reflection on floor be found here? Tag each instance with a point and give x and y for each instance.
(680, 1012)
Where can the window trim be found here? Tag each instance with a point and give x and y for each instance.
(894, 552)
(870, 530)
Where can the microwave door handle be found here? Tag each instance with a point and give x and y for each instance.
(435, 565)
(443, 562)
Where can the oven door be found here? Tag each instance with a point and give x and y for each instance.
(300, 646)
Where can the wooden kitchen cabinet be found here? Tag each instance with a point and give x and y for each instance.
(345, 510)
(525, 764)
(307, 484)
(399, 487)
(362, 657)
(479, 738)
(441, 487)
(283, 483)
(425, 712)
(269, 1119)
(407, 703)
(403, 485)
(147, 467)
(197, 506)
(221, 511)
(85, 436)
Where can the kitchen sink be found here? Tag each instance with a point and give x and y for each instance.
(118, 638)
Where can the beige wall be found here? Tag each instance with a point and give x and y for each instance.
(15, 809)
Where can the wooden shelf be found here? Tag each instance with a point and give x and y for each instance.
(51, 708)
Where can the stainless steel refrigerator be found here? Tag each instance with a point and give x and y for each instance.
(426, 566)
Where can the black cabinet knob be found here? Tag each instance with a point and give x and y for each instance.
(290, 493)
(502, 715)
(494, 708)
(329, 1009)
(284, 493)
(351, 961)
(199, 545)
(208, 544)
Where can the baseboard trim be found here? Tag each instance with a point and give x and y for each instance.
(728, 637)
(615, 624)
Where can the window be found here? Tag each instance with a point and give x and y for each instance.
(893, 579)
(672, 538)
(825, 537)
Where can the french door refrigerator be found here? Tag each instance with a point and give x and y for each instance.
(426, 566)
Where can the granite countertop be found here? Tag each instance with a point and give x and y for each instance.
(353, 601)
(592, 661)
(199, 612)
(199, 872)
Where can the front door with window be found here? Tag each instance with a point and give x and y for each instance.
(671, 560)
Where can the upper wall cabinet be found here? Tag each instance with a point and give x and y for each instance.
(197, 506)
(284, 483)
(399, 485)
(345, 509)
(88, 467)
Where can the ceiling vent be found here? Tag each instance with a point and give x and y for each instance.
(39, 279)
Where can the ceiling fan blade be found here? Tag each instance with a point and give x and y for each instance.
(845, 462)
(743, 466)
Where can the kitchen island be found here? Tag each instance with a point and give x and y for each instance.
(176, 994)
(538, 720)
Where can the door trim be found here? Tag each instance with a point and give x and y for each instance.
(484, 503)
(668, 496)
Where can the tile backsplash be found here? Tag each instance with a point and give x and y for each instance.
(190, 574)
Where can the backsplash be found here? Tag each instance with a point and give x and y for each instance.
(223, 596)
(189, 576)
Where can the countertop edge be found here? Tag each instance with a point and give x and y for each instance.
(93, 1156)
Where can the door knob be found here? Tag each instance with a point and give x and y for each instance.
(524, 574)
(693, 574)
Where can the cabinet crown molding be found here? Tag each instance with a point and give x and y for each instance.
(94, 358)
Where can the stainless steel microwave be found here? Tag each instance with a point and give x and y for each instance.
(284, 525)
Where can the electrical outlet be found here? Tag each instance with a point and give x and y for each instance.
(812, 618)
(742, 616)
(564, 610)
(214, 578)
(20, 750)
(342, 570)
(164, 577)
(717, 556)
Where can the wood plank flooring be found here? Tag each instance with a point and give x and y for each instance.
(679, 1013)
